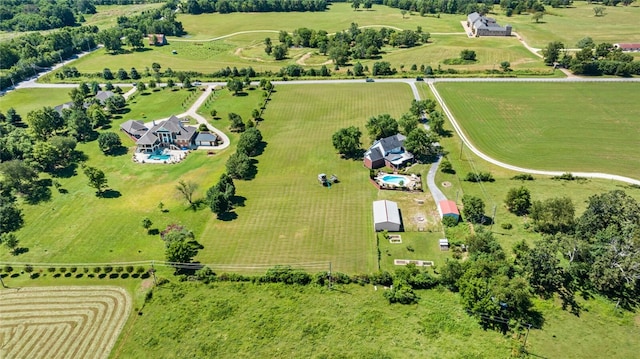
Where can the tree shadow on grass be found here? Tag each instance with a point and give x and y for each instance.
(228, 216)
(20, 250)
(238, 201)
(260, 148)
(39, 192)
(66, 172)
(111, 193)
(118, 151)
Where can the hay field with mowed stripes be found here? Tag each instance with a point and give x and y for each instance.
(288, 217)
(61, 322)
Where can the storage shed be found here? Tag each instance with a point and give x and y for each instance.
(448, 208)
(386, 216)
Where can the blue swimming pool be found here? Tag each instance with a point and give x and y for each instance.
(159, 157)
(394, 179)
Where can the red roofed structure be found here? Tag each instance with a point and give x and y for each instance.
(628, 47)
(448, 209)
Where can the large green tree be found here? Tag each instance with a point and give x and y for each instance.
(11, 218)
(97, 179)
(473, 209)
(250, 142)
(381, 126)
(44, 123)
(553, 215)
(347, 141)
(240, 166)
(518, 201)
(108, 142)
(551, 53)
(421, 143)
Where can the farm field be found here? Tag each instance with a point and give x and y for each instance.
(271, 320)
(494, 193)
(288, 216)
(569, 25)
(590, 127)
(47, 322)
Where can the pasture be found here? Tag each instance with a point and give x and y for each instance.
(569, 25)
(237, 41)
(590, 127)
(272, 320)
(49, 322)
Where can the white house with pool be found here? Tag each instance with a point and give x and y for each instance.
(388, 151)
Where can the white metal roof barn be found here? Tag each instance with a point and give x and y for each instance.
(386, 216)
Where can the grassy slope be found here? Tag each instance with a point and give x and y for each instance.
(247, 320)
(572, 127)
(572, 24)
(268, 321)
(289, 217)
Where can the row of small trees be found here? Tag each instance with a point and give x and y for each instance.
(31, 269)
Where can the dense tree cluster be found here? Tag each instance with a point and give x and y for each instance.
(33, 15)
(354, 43)
(196, 7)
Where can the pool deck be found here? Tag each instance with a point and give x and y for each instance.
(175, 156)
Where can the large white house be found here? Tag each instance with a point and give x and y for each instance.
(388, 151)
(481, 25)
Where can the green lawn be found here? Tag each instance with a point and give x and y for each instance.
(569, 25)
(591, 127)
(247, 49)
(27, 100)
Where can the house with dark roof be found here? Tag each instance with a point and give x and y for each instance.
(157, 40)
(481, 25)
(388, 151)
(627, 47)
(171, 133)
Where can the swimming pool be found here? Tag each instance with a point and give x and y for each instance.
(396, 180)
(159, 157)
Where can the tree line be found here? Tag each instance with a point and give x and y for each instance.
(33, 15)
(196, 7)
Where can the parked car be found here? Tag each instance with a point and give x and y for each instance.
(369, 80)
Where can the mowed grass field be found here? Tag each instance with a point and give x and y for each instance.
(590, 127)
(569, 25)
(27, 100)
(288, 216)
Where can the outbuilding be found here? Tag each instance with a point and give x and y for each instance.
(448, 208)
(386, 216)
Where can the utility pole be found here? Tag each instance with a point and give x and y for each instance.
(153, 272)
(2, 282)
(493, 219)
(524, 345)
